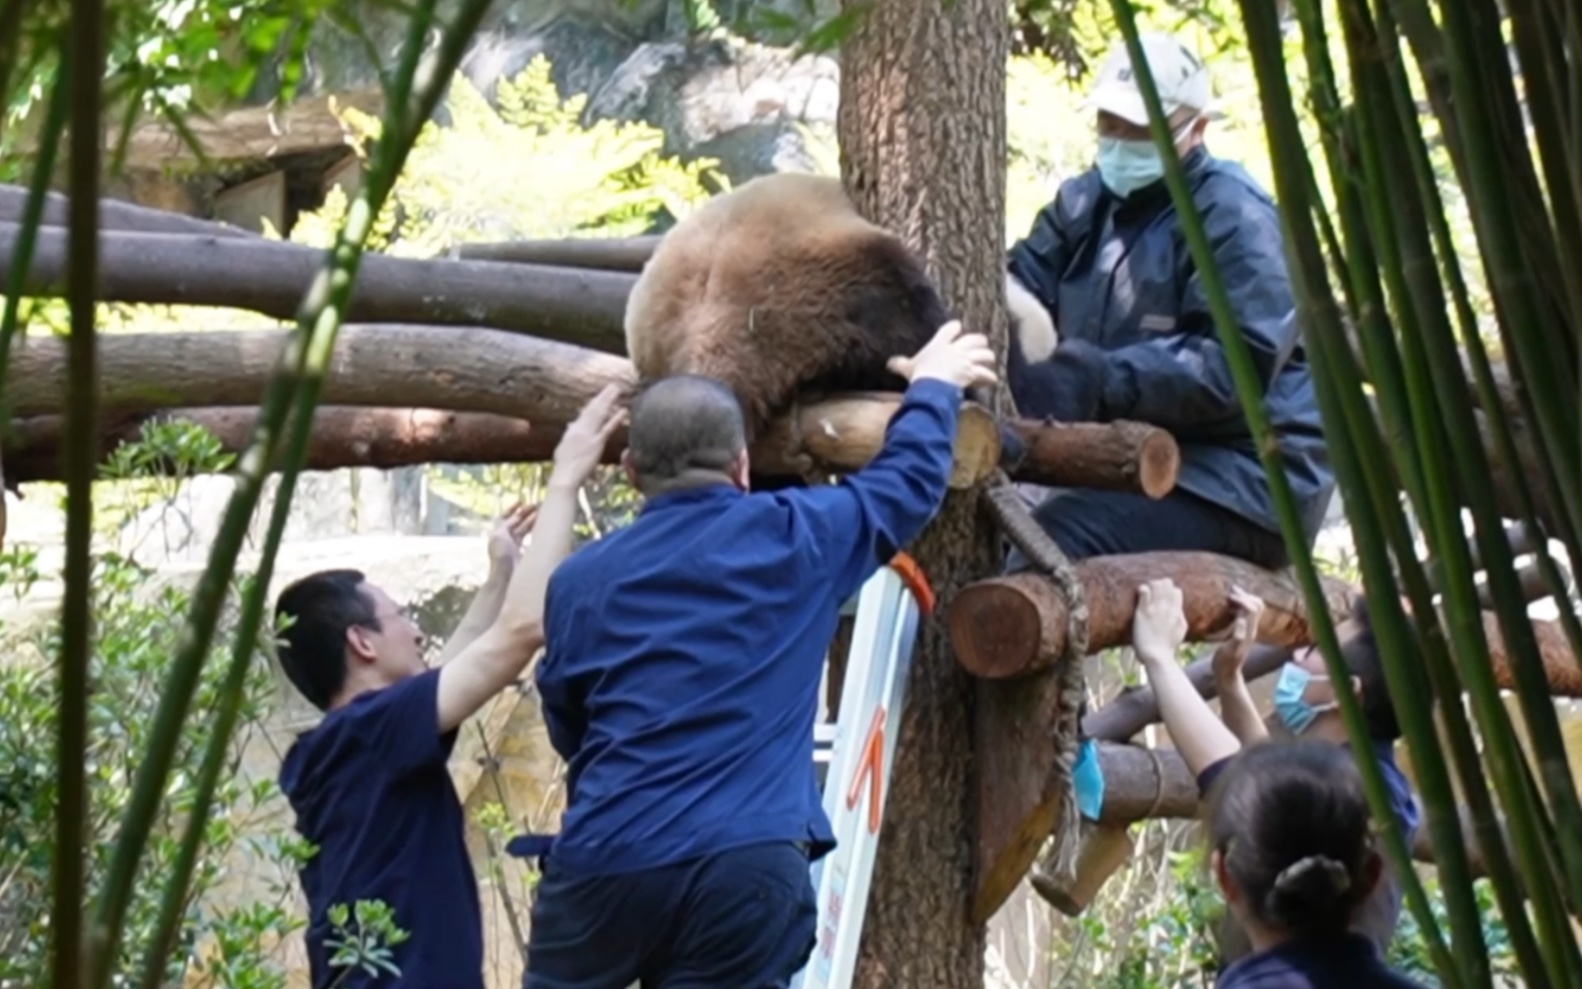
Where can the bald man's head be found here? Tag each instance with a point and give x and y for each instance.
(685, 431)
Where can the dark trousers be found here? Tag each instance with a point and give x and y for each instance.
(745, 918)
(1086, 523)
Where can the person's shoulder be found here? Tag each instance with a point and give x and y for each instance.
(1229, 183)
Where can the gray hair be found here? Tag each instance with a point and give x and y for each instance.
(685, 431)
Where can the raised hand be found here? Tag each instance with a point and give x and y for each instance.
(964, 360)
(505, 539)
(1228, 658)
(1159, 626)
(582, 445)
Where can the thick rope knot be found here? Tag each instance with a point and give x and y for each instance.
(1029, 537)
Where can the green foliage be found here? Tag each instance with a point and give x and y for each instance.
(166, 58)
(525, 169)
(137, 622)
(1409, 952)
(361, 938)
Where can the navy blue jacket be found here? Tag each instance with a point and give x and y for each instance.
(684, 652)
(1137, 340)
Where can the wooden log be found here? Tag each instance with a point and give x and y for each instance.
(1137, 708)
(115, 215)
(461, 370)
(1104, 850)
(480, 371)
(1010, 627)
(602, 253)
(352, 436)
(571, 305)
(343, 436)
(1120, 456)
(843, 432)
(496, 372)
(1015, 625)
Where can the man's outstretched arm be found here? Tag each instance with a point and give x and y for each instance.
(863, 521)
(496, 658)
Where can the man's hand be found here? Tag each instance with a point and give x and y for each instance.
(582, 445)
(1228, 658)
(505, 539)
(1159, 626)
(964, 360)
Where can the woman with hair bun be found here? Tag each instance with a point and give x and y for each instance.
(1293, 854)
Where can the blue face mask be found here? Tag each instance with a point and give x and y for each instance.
(1289, 702)
(1126, 166)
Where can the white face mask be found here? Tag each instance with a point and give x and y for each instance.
(1128, 165)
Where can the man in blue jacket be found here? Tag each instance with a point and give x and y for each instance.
(1108, 261)
(680, 682)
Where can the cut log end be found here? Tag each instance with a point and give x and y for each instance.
(996, 629)
(1158, 463)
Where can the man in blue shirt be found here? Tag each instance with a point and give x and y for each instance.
(1106, 267)
(680, 683)
(369, 783)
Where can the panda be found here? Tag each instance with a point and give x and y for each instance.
(781, 288)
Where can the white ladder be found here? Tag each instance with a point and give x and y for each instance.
(858, 749)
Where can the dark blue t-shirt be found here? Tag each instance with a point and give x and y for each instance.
(684, 652)
(1347, 961)
(370, 788)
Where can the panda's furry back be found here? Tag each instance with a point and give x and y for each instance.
(778, 288)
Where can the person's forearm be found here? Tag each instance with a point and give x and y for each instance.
(1200, 737)
(549, 545)
(483, 610)
(1238, 711)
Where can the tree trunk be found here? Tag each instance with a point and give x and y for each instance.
(922, 138)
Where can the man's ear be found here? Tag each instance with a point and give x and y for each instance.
(359, 646)
(741, 470)
(629, 468)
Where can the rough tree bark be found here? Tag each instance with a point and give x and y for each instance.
(922, 138)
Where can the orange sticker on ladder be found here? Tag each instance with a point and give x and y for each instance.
(870, 769)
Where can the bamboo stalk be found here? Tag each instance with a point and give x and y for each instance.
(1265, 44)
(83, 61)
(1420, 319)
(291, 389)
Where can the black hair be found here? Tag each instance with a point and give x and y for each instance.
(1362, 658)
(1292, 825)
(312, 650)
(684, 428)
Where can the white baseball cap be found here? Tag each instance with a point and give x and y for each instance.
(1180, 76)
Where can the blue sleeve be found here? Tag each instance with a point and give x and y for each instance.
(1039, 259)
(565, 718)
(1181, 380)
(861, 523)
(401, 723)
(1210, 773)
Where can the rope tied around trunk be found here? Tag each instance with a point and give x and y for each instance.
(1019, 526)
